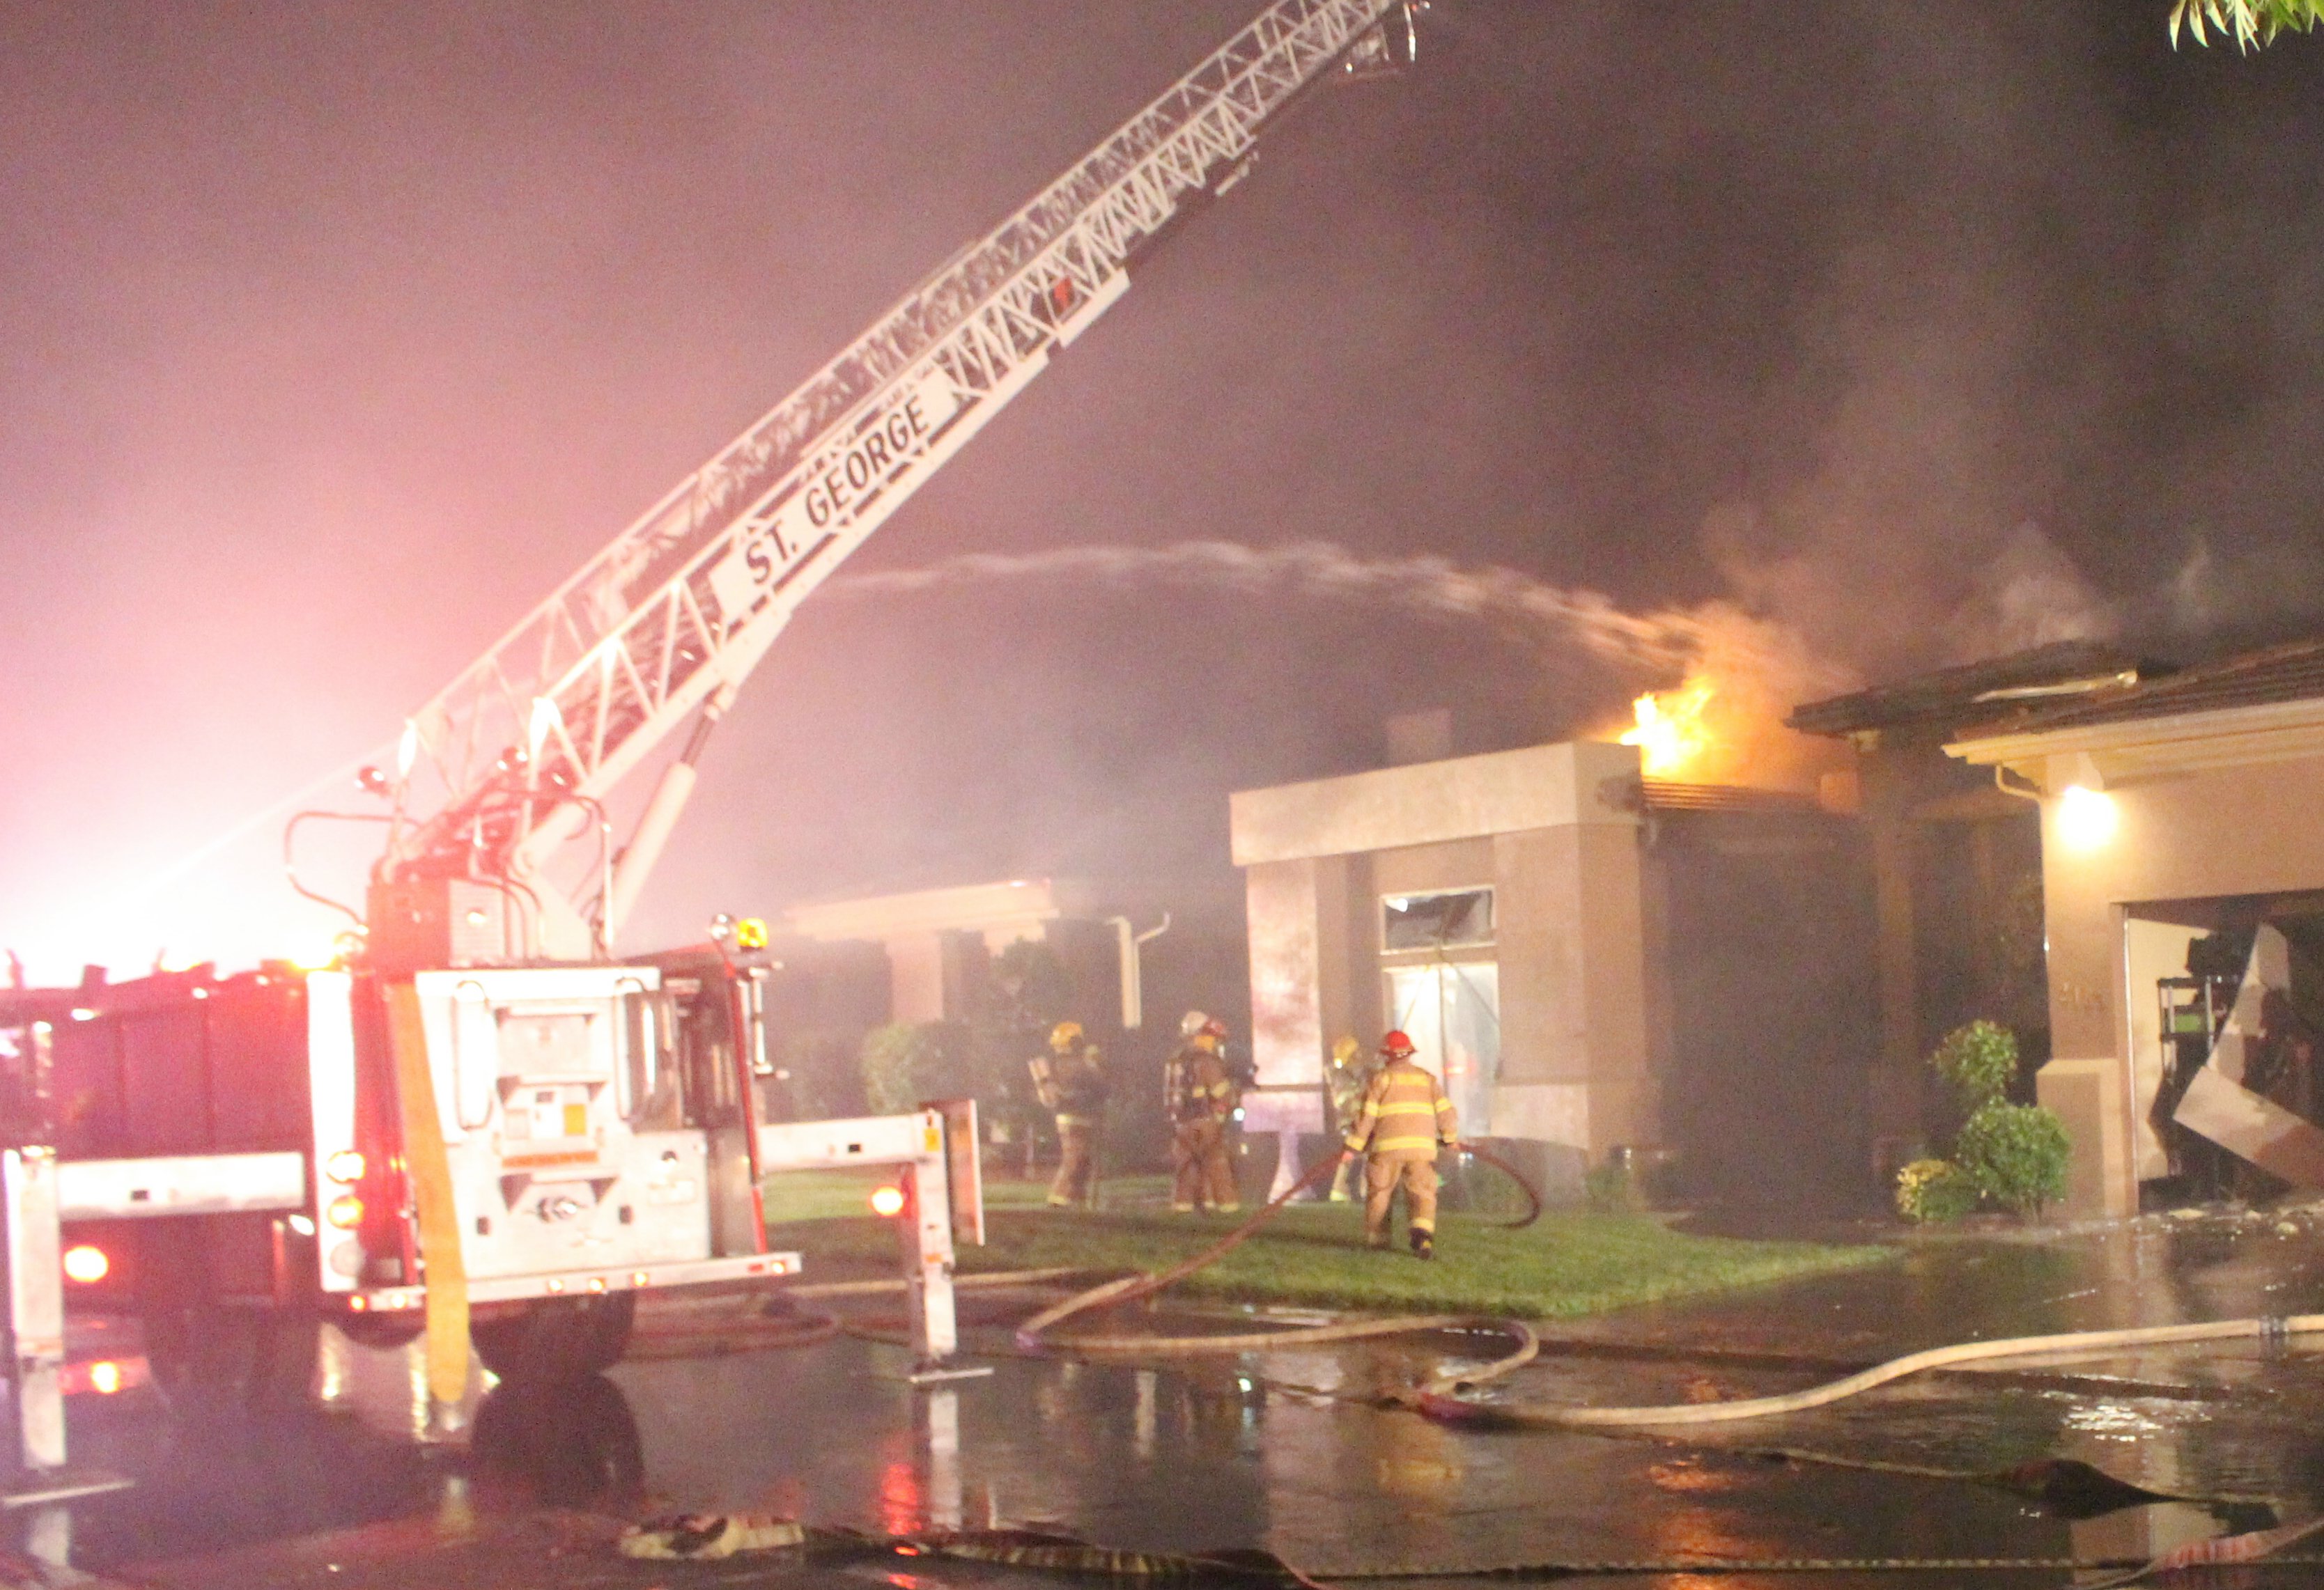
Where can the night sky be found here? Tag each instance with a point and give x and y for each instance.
(333, 335)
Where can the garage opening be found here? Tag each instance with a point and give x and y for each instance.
(2226, 1008)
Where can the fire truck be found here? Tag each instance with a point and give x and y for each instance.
(486, 1119)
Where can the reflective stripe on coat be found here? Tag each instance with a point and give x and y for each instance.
(1405, 1112)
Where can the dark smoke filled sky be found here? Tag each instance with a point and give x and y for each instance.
(332, 335)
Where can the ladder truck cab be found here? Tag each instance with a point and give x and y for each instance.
(485, 1119)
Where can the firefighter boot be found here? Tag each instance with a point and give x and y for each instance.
(1424, 1244)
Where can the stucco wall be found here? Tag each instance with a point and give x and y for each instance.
(1467, 797)
(1286, 1015)
(1410, 870)
(1574, 1066)
(1569, 935)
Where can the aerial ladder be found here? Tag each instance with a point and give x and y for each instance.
(485, 1109)
(508, 770)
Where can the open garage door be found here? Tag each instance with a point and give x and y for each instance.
(2227, 1043)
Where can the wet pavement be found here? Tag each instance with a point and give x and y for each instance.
(1282, 1452)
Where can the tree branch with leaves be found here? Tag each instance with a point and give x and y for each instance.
(2251, 24)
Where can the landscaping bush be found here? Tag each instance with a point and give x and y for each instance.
(2014, 1154)
(1979, 1061)
(905, 1064)
(1932, 1191)
(824, 1080)
(1612, 1189)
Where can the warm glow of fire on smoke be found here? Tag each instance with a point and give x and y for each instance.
(1674, 740)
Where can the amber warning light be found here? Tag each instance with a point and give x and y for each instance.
(106, 1377)
(888, 1200)
(87, 1264)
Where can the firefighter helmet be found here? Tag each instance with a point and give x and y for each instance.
(1397, 1045)
(1344, 1049)
(1214, 1028)
(1064, 1035)
(1193, 1022)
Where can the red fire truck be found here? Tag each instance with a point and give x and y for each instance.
(486, 1115)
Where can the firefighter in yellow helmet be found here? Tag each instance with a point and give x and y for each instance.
(1068, 1080)
(1346, 1079)
(1404, 1119)
(1199, 1098)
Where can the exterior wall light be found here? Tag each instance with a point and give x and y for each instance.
(2086, 818)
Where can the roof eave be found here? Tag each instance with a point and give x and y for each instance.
(2182, 741)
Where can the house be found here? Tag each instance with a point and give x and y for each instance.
(1590, 961)
(2179, 845)
(939, 944)
(1957, 866)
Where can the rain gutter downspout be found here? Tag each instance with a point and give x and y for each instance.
(2030, 791)
(1133, 984)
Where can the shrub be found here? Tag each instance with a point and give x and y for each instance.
(1612, 1189)
(2014, 1154)
(1033, 988)
(1979, 1061)
(1935, 1190)
(827, 1079)
(905, 1064)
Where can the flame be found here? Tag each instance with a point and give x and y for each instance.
(1674, 738)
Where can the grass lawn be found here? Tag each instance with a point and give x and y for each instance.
(795, 1196)
(1313, 1254)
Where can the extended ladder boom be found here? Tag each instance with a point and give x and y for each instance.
(501, 769)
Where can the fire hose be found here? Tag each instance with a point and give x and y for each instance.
(1133, 1288)
(712, 1535)
(1437, 1404)
(1130, 1289)
(1436, 1399)
(780, 1323)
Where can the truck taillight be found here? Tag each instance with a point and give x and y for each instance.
(345, 1167)
(87, 1264)
(888, 1200)
(345, 1212)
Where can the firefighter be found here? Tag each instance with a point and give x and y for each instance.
(1199, 1099)
(1346, 1080)
(1069, 1081)
(1404, 1120)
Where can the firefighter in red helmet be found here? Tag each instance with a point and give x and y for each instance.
(1404, 1119)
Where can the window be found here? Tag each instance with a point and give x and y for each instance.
(1443, 919)
(650, 1096)
(1452, 1014)
(476, 1056)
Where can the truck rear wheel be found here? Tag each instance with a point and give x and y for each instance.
(557, 1338)
(388, 1331)
(575, 1443)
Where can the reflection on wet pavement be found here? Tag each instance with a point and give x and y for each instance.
(1205, 1455)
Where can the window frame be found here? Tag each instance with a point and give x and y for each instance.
(1443, 946)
